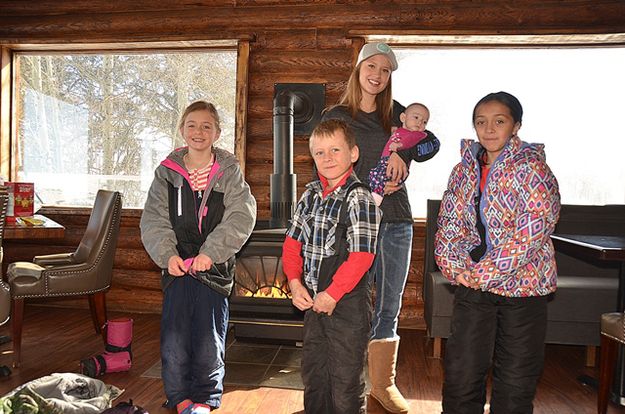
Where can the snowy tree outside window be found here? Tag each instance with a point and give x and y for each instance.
(87, 121)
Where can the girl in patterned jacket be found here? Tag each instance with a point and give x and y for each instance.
(500, 207)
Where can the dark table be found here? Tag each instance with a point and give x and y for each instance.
(608, 248)
(48, 229)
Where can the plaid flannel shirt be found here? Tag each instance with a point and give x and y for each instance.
(315, 219)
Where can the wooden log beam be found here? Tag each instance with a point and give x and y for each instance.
(194, 22)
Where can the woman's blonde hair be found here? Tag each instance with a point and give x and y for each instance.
(200, 106)
(384, 100)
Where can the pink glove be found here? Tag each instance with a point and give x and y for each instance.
(188, 263)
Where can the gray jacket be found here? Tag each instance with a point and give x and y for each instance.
(226, 238)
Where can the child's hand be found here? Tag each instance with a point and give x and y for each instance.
(396, 170)
(175, 266)
(324, 303)
(462, 278)
(299, 295)
(201, 263)
(390, 187)
(465, 279)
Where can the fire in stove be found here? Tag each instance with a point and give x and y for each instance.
(261, 277)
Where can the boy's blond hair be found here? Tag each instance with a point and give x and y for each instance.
(328, 127)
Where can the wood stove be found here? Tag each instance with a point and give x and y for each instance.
(260, 305)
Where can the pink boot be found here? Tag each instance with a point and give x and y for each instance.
(117, 355)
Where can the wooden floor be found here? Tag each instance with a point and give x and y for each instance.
(55, 339)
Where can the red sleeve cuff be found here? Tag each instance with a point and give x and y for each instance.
(349, 274)
(292, 261)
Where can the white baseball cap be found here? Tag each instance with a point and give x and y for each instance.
(372, 49)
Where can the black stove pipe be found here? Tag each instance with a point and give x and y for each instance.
(283, 185)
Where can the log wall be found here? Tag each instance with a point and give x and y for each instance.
(291, 41)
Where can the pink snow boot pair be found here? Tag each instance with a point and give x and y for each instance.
(117, 356)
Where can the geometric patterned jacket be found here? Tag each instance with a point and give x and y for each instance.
(519, 208)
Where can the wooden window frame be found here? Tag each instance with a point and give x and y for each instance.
(400, 39)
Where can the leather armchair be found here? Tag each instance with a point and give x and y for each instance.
(84, 272)
(5, 293)
(5, 310)
(5, 302)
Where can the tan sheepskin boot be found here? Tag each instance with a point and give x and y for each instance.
(382, 361)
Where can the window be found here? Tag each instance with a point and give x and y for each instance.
(572, 101)
(86, 121)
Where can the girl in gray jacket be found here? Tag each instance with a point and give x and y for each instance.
(198, 214)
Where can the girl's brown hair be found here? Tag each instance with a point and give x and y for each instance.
(200, 106)
(383, 101)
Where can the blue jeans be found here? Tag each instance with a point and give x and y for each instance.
(390, 271)
(193, 342)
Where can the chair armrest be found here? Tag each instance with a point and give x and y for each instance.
(74, 269)
(67, 279)
(54, 259)
(19, 270)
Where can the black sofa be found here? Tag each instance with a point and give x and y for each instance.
(586, 289)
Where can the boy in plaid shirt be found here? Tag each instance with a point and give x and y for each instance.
(333, 292)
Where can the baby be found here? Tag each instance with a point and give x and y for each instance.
(414, 120)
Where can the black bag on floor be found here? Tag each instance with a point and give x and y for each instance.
(125, 408)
